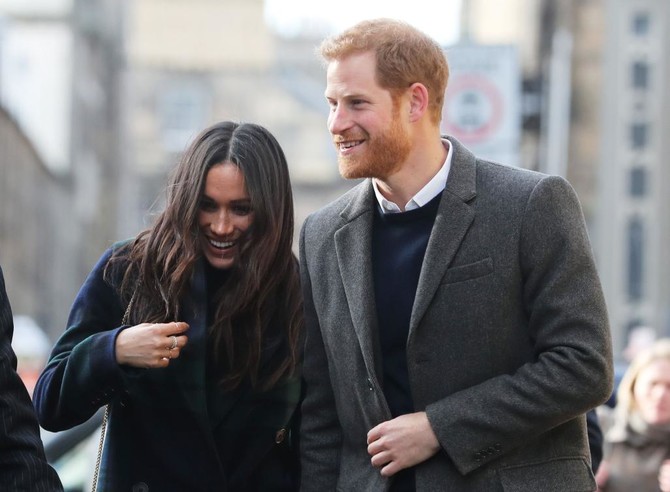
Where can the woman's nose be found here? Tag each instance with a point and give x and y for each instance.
(221, 224)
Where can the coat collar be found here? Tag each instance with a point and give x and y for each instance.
(454, 217)
(461, 183)
(188, 371)
(352, 247)
(353, 242)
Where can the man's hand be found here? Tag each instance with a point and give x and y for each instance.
(664, 476)
(402, 442)
(603, 474)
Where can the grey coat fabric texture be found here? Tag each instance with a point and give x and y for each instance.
(508, 346)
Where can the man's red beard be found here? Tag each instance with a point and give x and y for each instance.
(383, 156)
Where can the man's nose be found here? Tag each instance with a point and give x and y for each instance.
(338, 120)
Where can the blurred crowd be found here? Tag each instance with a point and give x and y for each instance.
(637, 429)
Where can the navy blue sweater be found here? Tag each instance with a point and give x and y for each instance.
(399, 243)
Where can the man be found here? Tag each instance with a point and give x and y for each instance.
(456, 328)
(23, 466)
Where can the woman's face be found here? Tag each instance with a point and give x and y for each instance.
(652, 392)
(225, 215)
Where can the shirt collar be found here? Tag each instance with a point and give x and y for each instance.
(433, 188)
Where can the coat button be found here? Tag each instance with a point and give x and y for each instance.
(370, 387)
(280, 436)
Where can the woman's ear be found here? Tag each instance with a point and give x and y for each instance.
(418, 101)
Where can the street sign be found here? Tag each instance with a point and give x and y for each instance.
(482, 103)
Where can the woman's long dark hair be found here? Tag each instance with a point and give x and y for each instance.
(261, 300)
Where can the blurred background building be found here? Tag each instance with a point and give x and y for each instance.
(633, 221)
(192, 62)
(99, 97)
(60, 65)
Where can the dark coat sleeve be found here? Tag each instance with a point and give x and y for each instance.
(570, 370)
(23, 466)
(82, 374)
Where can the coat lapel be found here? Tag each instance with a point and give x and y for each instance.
(188, 371)
(454, 217)
(352, 246)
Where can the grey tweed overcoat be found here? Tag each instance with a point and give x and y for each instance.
(508, 343)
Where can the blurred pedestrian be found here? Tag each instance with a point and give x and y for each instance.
(595, 438)
(637, 446)
(190, 331)
(23, 466)
(456, 330)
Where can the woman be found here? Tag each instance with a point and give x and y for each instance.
(637, 447)
(190, 331)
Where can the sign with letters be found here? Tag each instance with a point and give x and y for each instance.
(482, 101)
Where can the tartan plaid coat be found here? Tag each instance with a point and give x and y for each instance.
(160, 436)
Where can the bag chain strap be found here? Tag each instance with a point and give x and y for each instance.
(105, 417)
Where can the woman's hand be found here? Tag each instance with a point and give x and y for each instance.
(150, 345)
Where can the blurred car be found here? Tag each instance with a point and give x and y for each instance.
(31, 346)
(73, 453)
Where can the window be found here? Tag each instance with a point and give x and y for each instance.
(183, 111)
(639, 135)
(635, 259)
(638, 182)
(640, 75)
(640, 24)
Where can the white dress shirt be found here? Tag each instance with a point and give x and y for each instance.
(433, 188)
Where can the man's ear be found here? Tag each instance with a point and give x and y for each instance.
(418, 101)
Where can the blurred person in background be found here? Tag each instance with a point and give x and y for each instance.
(595, 437)
(637, 446)
(456, 330)
(23, 466)
(190, 331)
(639, 338)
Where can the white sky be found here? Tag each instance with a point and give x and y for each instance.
(438, 19)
